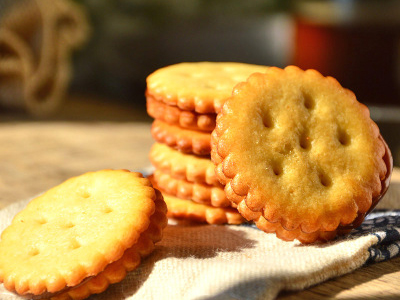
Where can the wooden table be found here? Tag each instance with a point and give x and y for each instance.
(36, 155)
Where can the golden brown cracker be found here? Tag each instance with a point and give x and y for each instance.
(187, 209)
(299, 148)
(173, 115)
(200, 193)
(77, 229)
(190, 210)
(184, 140)
(198, 86)
(193, 168)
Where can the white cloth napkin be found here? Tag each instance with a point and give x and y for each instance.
(241, 262)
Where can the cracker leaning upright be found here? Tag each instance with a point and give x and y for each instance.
(298, 153)
(81, 235)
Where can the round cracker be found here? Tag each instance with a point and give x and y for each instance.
(200, 193)
(173, 115)
(193, 168)
(189, 210)
(74, 230)
(300, 149)
(185, 140)
(198, 86)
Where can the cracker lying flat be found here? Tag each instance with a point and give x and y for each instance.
(200, 193)
(80, 229)
(173, 115)
(192, 168)
(300, 149)
(190, 210)
(198, 86)
(184, 140)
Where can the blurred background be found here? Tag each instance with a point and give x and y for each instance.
(88, 59)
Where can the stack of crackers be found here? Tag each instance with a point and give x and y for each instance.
(184, 100)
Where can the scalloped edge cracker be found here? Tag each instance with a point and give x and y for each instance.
(82, 235)
(299, 149)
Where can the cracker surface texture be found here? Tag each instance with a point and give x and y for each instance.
(297, 149)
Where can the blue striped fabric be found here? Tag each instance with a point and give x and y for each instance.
(385, 225)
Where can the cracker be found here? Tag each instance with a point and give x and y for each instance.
(184, 140)
(300, 149)
(193, 168)
(190, 210)
(187, 209)
(198, 86)
(173, 115)
(200, 193)
(86, 232)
